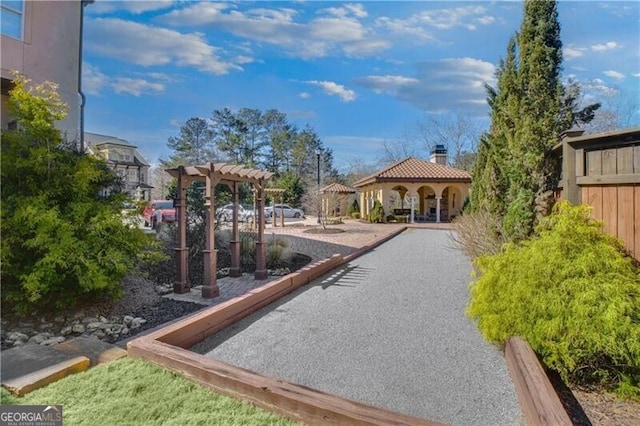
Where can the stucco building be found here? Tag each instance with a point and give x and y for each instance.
(436, 191)
(43, 41)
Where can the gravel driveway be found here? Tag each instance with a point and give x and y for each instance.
(387, 329)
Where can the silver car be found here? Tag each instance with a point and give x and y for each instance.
(281, 209)
(225, 213)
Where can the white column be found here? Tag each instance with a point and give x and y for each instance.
(412, 200)
(438, 209)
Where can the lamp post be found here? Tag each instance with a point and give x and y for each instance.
(318, 152)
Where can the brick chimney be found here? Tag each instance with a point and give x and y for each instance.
(439, 155)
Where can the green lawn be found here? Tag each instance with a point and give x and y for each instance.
(133, 392)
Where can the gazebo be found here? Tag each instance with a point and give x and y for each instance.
(212, 174)
(426, 190)
(335, 199)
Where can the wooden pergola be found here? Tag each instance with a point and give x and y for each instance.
(335, 196)
(273, 192)
(213, 174)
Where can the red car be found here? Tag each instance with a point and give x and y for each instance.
(159, 211)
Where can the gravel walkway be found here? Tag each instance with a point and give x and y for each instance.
(387, 329)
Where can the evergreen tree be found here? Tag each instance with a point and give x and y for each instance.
(517, 171)
(63, 237)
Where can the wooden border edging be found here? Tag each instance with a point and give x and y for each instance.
(167, 347)
(539, 401)
(293, 401)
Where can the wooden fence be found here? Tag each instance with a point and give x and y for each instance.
(603, 171)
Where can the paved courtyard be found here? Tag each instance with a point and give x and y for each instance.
(388, 329)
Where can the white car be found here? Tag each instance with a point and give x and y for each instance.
(281, 209)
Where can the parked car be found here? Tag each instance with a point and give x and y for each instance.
(159, 211)
(225, 213)
(285, 209)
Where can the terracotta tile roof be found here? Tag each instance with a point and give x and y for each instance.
(416, 170)
(337, 188)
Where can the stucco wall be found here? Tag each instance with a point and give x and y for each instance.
(49, 51)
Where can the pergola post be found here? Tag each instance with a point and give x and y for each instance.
(438, 208)
(181, 285)
(210, 287)
(282, 209)
(261, 252)
(234, 244)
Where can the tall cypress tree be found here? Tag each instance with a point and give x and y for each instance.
(529, 111)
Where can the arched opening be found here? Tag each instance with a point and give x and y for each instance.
(398, 204)
(451, 203)
(427, 205)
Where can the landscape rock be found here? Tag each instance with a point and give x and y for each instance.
(39, 338)
(16, 336)
(66, 330)
(78, 328)
(127, 320)
(53, 341)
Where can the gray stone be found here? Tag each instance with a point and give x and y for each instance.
(95, 326)
(127, 320)
(19, 342)
(137, 322)
(53, 341)
(89, 320)
(39, 338)
(124, 330)
(45, 326)
(103, 320)
(16, 336)
(66, 330)
(99, 334)
(78, 328)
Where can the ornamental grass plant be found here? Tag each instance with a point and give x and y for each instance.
(572, 293)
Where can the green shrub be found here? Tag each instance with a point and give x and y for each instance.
(391, 218)
(353, 208)
(355, 215)
(376, 215)
(572, 294)
(63, 237)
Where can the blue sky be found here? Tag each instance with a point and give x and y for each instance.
(359, 73)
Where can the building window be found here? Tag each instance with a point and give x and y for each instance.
(133, 175)
(11, 12)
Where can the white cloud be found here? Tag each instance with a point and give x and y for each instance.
(147, 46)
(304, 95)
(134, 6)
(596, 88)
(441, 19)
(614, 74)
(335, 29)
(637, 74)
(335, 89)
(571, 52)
(454, 84)
(136, 86)
(93, 81)
(604, 46)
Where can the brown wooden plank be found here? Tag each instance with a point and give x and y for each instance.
(609, 179)
(594, 163)
(296, 402)
(636, 222)
(625, 160)
(626, 226)
(595, 201)
(610, 209)
(585, 194)
(538, 400)
(609, 161)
